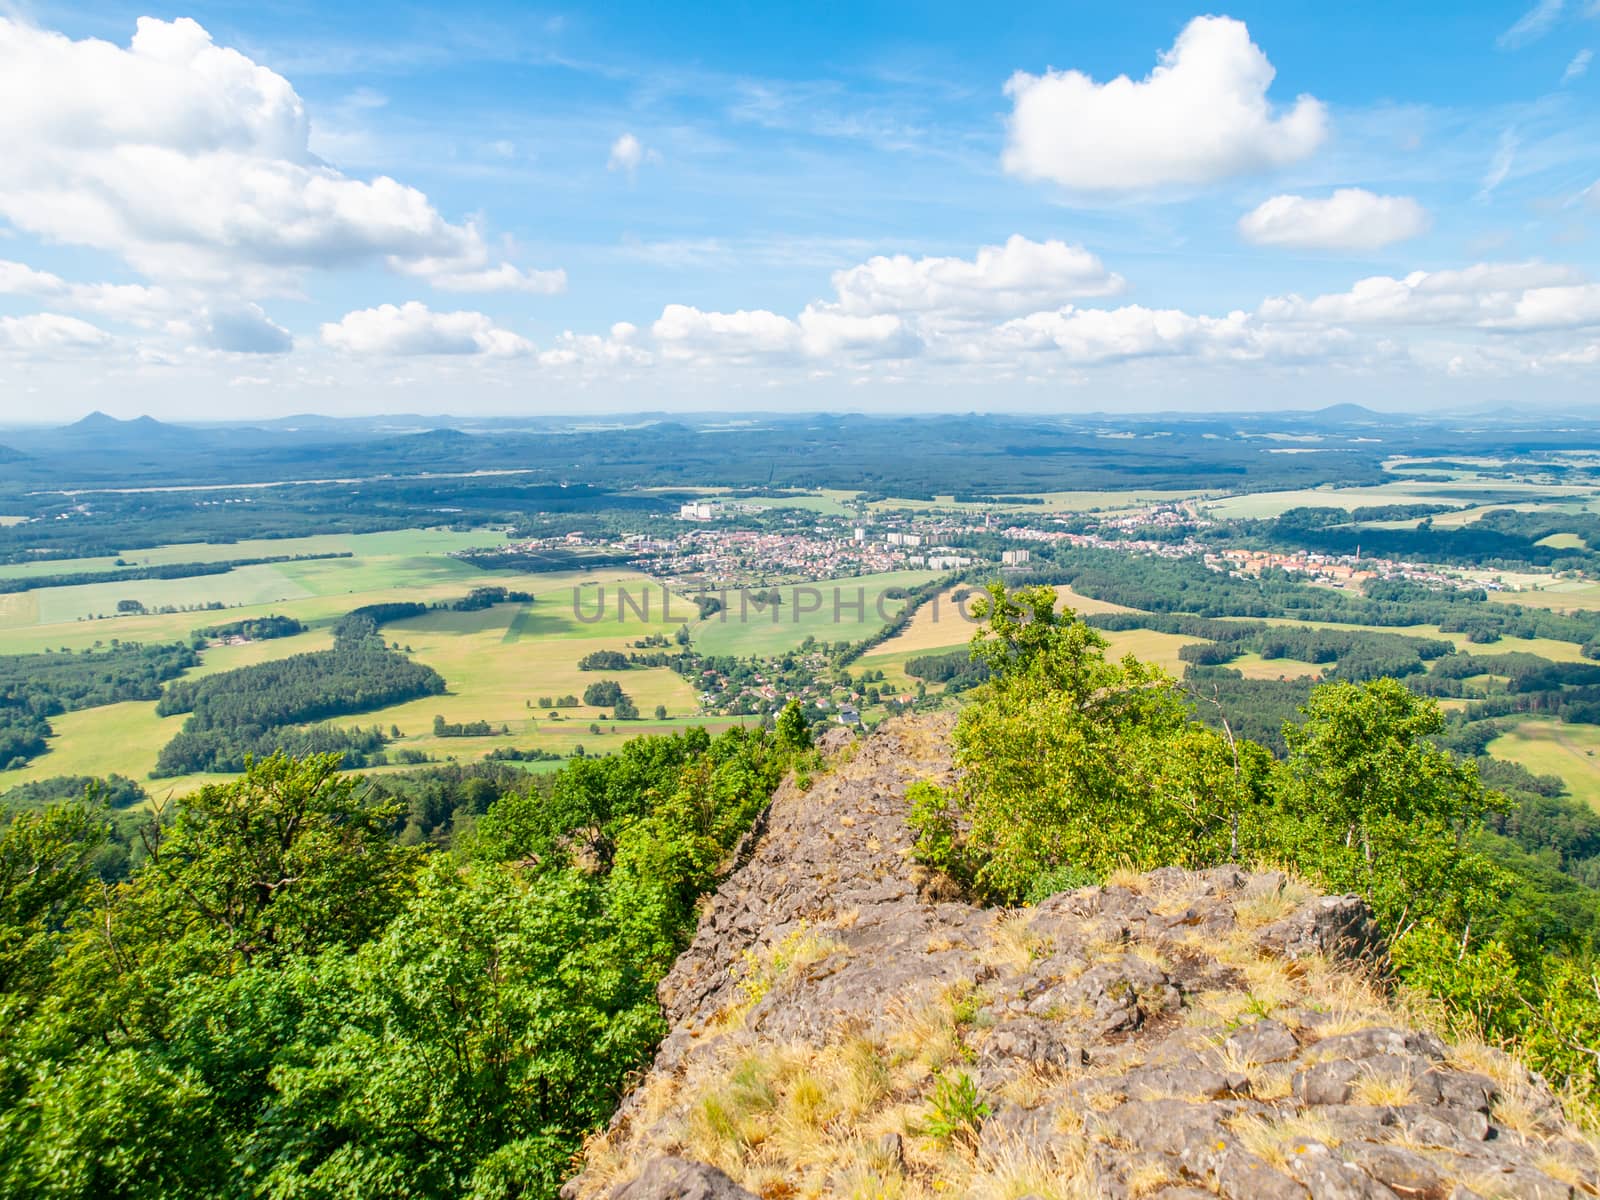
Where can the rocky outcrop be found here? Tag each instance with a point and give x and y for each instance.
(841, 1026)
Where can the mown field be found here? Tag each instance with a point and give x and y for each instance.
(1552, 748)
(834, 610)
(1457, 491)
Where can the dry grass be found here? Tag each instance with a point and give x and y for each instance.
(1127, 877)
(1276, 1142)
(1268, 905)
(1383, 1090)
(761, 969)
(1012, 1172)
(1150, 1177)
(1012, 943)
(1515, 1110)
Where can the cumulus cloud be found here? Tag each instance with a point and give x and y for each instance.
(618, 348)
(413, 328)
(245, 329)
(628, 154)
(44, 333)
(1018, 277)
(1569, 307)
(191, 161)
(1097, 336)
(1201, 115)
(131, 302)
(688, 334)
(1480, 295)
(1350, 219)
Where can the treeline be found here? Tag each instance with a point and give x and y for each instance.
(36, 687)
(114, 791)
(381, 614)
(254, 629)
(1351, 654)
(434, 985)
(457, 729)
(28, 583)
(487, 597)
(229, 750)
(608, 693)
(235, 713)
(956, 670)
(1187, 585)
(538, 562)
(914, 598)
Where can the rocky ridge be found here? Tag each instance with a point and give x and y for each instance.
(844, 1025)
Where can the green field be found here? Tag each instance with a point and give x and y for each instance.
(496, 662)
(744, 628)
(390, 544)
(1443, 491)
(1552, 748)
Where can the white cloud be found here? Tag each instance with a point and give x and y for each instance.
(245, 329)
(43, 333)
(618, 349)
(1505, 154)
(1350, 219)
(628, 154)
(1578, 67)
(1569, 307)
(688, 334)
(1201, 115)
(1097, 336)
(190, 161)
(504, 278)
(1532, 25)
(412, 328)
(1021, 276)
(129, 302)
(1474, 296)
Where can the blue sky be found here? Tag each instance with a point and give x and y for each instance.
(263, 209)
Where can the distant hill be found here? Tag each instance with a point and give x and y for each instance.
(8, 455)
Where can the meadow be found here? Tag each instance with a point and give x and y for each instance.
(846, 610)
(496, 662)
(1453, 490)
(1548, 747)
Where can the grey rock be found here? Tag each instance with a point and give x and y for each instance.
(669, 1178)
(1033, 1040)
(1332, 926)
(1329, 1178)
(1265, 1041)
(1403, 1171)
(1242, 1176)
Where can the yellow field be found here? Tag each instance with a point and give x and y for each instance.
(1551, 748)
(1562, 595)
(944, 623)
(1253, 666)
(1147, 644)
